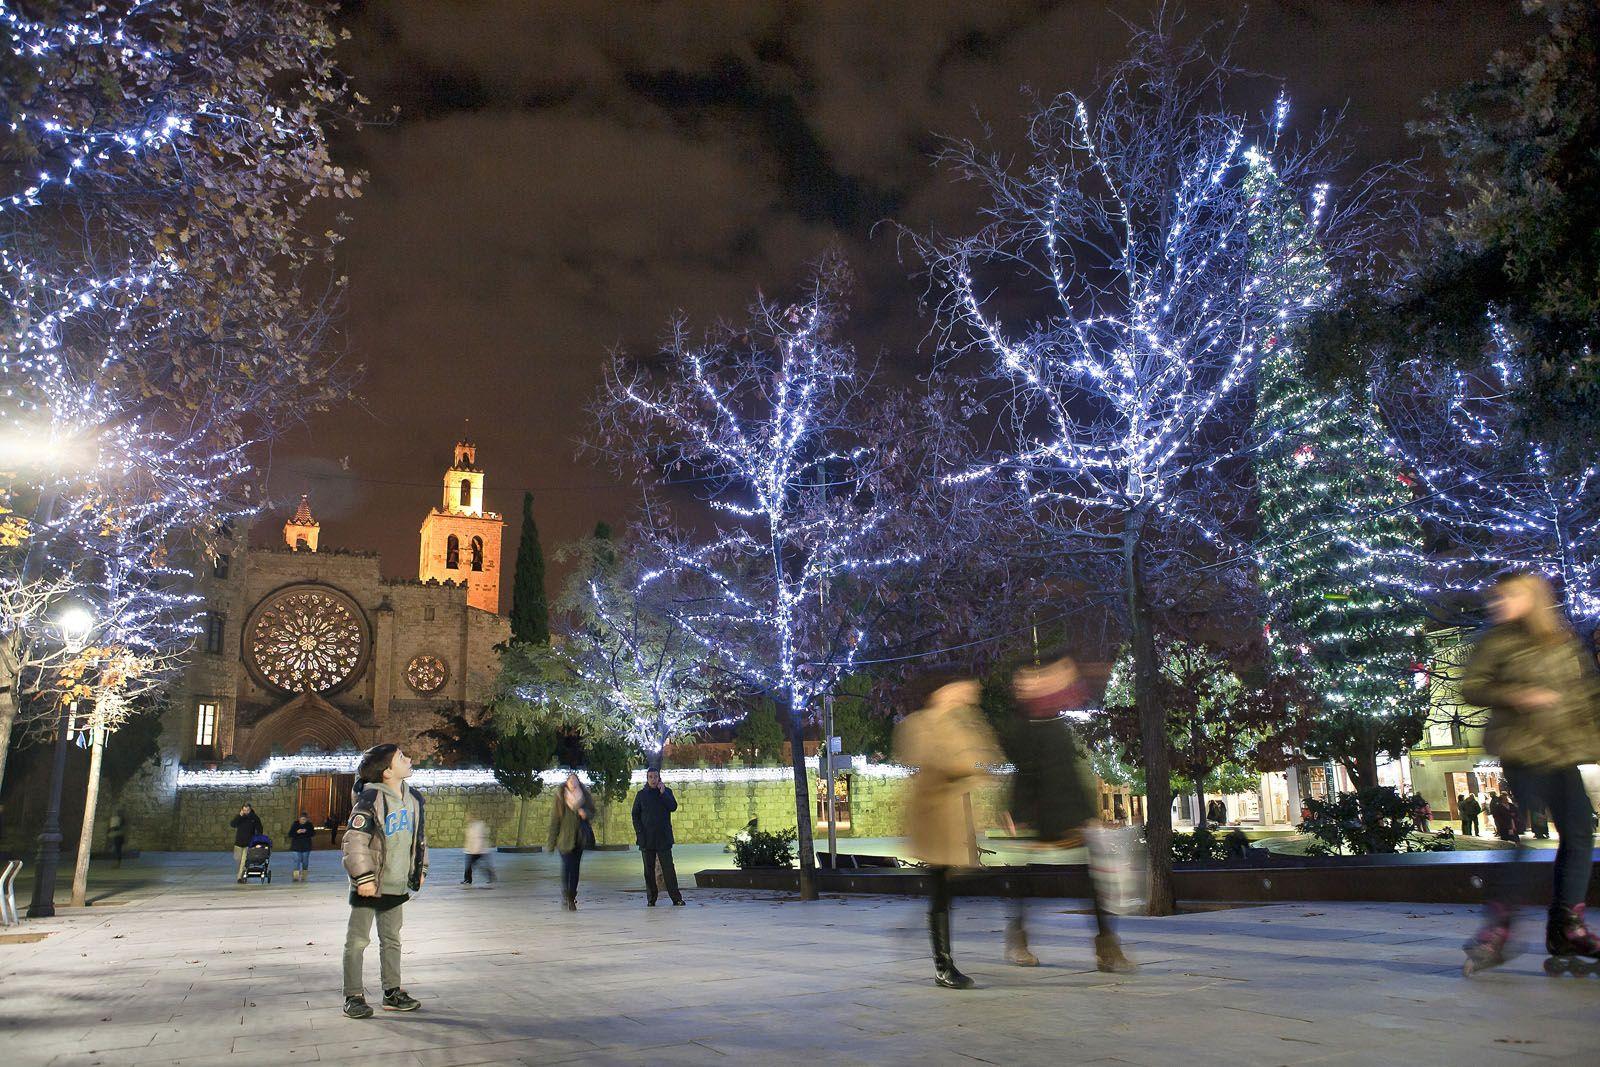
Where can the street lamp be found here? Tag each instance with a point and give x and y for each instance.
(75, 622)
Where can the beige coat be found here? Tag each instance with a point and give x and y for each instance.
(1509, 659)
(953, 749)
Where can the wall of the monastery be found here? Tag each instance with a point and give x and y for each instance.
(196, 819)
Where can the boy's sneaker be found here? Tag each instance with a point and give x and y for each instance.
(357, 1008)
(399, 1000)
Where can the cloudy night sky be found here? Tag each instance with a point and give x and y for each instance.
(562, 177)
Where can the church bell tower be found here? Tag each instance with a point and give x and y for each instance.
(460, 540)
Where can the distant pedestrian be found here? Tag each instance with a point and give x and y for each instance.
(246, 825)
(386, 857)
(571, 831)
(1470, 809)
(117, 830)
(1541, 690)
(1504, 817)
(1053, 792)
(652, 831)
(1423, 815)
(477, 847)
(331, 824)
(952, 749)
(302, 835)
(1539, 822)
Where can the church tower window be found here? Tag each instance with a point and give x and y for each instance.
(466, 492)
(477, 553)
(452, 553)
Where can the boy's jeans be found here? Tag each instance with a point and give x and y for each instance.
(359, 935)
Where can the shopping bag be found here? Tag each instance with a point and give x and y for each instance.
(1117, 867)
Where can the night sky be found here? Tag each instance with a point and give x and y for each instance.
(562, 177)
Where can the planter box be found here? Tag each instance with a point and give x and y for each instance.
(1427, 878)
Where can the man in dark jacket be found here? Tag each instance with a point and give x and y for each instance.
(246, 825)
(1469, 809)
(652, 829)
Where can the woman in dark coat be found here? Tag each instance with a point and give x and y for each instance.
(571, 831)
(302, 834)
(1051, 792)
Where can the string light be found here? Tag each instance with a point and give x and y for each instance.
(276, 767)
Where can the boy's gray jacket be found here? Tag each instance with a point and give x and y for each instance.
(364, 842)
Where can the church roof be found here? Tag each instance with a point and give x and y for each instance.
(302, 514)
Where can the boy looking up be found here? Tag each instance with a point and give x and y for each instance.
(386, 857)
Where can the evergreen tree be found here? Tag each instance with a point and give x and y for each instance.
(530, 609)
(1336, 538)
(759, 737)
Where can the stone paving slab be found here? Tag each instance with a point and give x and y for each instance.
(192, 969)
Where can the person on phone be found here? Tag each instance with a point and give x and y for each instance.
(571, 831)
(386, 857)
(246, 825)
(302, 835)
(652, 830)
(1541, 690)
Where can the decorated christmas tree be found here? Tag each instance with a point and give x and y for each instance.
(1337, 537)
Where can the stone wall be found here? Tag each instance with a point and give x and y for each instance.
(195, 818)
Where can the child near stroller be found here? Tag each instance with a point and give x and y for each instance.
(258, 859)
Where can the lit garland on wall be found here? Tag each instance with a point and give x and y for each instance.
(277, 767)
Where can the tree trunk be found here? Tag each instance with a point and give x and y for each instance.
(522, 818)
(1363, 761)
(8, 716)
(1201, 817)
(1152, 727)
(802, 806)
(91, 800)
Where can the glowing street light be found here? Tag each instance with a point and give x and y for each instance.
(75, 622)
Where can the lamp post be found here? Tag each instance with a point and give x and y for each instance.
(75, 623)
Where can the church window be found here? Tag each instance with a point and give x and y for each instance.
(428, 613)
(452, 553)
(301, 544)
(477, 553)
(466, 492)
(216, 623)
(205, 724)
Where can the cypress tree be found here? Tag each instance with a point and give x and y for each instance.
(530, 609)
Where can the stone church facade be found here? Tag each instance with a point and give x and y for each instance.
(311, 648)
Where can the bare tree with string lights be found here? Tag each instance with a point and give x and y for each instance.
(771, 428)
(168, 301)
(1114, 305)
(624, 668)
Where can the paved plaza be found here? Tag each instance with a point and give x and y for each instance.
(177, 965)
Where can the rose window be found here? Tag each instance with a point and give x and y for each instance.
(306, 640)
(427, 674)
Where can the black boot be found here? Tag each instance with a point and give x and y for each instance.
(944, 967)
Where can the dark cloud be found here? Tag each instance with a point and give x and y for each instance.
(564, 176)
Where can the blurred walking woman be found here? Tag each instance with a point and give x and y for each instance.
(1532, 674)
(571, 831)
(952, 749)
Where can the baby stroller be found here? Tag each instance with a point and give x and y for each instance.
(258, 859)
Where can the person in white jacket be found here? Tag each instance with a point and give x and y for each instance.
(477, 848)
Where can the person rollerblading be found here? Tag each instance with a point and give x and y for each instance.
(1573, 947)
